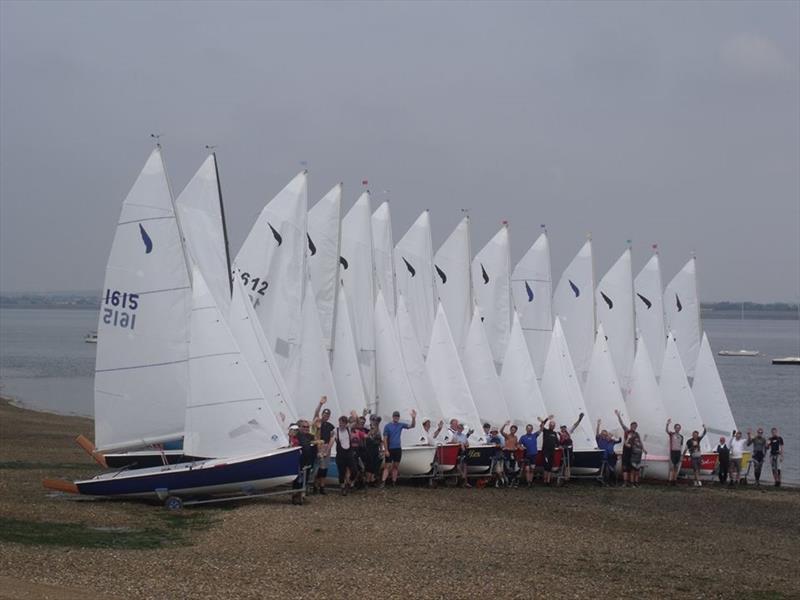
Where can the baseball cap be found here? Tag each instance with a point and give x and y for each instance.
(396, 413)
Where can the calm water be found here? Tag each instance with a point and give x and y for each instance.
(46, 365)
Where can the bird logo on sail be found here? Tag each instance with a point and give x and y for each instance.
(607, 300)
(484, 274)
(678, 303)
(529, 291)
(148, 243)
(275, 234)
(311, 247)
(574, 287)
(647, 302)
(441, 273)
(411, 269)
(343, 262)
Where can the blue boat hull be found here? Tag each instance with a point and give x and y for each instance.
(200, 478)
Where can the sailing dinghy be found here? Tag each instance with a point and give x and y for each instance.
(227, 419)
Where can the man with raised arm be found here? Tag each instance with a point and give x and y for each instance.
(606, 442)
(529, 443)
(325, 431)
(392, 435)
(627, 449)
(549, 445)
(675, 452)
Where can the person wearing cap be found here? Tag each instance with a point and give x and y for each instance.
(565, 441)
(392, 439)
(427, 436)
(325, 432)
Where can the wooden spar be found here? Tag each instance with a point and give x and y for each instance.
(89, 448)
(60, 485)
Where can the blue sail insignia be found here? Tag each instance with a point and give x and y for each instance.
(574, 287)
(148, 243)
(529, 291)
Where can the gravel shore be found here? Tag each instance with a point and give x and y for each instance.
(579, 541)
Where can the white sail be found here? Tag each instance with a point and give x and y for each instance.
(449, 382)
(453, 281)
(413, 265)
(323, 257)
(532, 288)
(602, 393)
(682, 309)
(644, 403)
(141, 370)
(615, 312)
(562, 391)
(308, 374)
(254, 346)
(478, 363)
(712, 402)
(518, 377)
(573, 303)
(395, 391)
(676, 395)
(202, 220)
(358, 276)
(346, 372)
(415, 366)
(491, 274)
(649, 302)
(383, 246)
(226, 413)
(271, 264)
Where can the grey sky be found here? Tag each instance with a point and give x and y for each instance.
(673, 123)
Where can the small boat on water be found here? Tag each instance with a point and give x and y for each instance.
(739, 353)
(91, 337)
(786, 360)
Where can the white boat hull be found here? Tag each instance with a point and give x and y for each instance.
(416, 461)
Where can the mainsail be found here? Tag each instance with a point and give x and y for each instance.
(345, 368)
(271, 265)
(712, 402)
(573, 303)
(226, 413)
(518, 377)
(676, 395)
(141, 370)
(255, 350)
(449, 382)
(602, 391)
(308, 374)
(615, 312)
(487, 391)
(358, 276)
(532, 288)
(323, 257)
(562, 391)
(645, 405)
(682, 309)
(491, 274)
(649, 302)
(413, 265)
(383, 245)
(453, 281)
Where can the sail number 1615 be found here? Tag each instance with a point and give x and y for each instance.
(120, 308)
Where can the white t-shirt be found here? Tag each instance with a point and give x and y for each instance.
(737, 447)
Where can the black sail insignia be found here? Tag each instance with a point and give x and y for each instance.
(575, 288)
(607, 300)
(678, 303)
(484, 274)
(647, 302)
(311, 247)
(411, 269)
(441, 274)
(275, 234)
(148, 243)
(529, 291)
(343, 262)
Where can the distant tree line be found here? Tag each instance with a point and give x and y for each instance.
(750, 306)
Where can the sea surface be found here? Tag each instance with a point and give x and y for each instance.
(46, 365)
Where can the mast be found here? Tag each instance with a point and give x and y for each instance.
(337, 280)
(224, 225)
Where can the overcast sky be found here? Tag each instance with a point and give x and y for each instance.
(675, 123)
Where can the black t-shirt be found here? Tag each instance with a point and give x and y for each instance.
(549, 440)
(724, 452)
(775, 443)
(325, 431)
(307, 448)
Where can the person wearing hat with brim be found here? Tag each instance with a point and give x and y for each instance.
(392, 439)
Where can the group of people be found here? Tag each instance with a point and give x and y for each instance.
(367, 454)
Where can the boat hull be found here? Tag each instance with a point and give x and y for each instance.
(479, 459)
(586, 462)
(417, 461)
(447, 457)
(708, 464)
(205, 477)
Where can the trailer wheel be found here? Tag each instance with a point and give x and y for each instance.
(173, 503)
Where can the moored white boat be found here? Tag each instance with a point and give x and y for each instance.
(739, 353)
